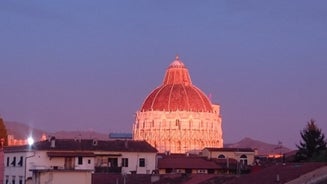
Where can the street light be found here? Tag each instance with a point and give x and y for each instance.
(30, 141)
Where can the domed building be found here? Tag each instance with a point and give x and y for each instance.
(177, 116)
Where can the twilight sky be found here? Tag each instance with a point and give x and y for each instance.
(88, 65)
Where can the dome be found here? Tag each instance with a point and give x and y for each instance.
(177, 92)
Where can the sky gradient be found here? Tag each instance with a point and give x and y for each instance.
(88, 65)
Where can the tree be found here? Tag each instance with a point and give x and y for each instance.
(3, 134)
(313, 143)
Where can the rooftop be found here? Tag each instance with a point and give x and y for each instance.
(177, 92)
(230, 149)
(86, 145)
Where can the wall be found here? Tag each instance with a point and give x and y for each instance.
(14, 171)
(2, 171)
(133, 161)
(230, 154)
(179, 131)
(57, 177)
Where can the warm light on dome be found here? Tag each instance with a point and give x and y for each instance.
(177, 92)
(177, 116)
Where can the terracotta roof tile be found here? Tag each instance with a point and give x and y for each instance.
(286, 173)
(177, 93)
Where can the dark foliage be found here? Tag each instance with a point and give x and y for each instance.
(313, 144)
(3, 134)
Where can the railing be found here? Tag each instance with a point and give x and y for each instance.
(107, 169)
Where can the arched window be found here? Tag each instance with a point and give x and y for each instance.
(244, 160)
(177, 122)
(221, 156)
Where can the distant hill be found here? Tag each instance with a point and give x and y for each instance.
(262, 147)
(22, 131)
(80, 134)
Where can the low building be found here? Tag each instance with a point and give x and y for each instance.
(194, 164)
(56, 159)
(244, 156)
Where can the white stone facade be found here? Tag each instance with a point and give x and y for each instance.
(179, 131)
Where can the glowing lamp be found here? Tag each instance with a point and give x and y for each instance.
(30, 141)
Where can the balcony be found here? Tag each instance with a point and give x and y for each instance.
(107, 169)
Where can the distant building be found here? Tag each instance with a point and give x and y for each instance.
(244, 156)
(177, 116)
(120, 136)
(194, 164)
(13, 141)
(56, 160)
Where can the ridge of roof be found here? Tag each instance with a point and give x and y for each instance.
(86, 145)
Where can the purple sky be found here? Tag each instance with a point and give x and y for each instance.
(88, 65)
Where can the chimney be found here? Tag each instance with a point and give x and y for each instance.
(95, 142)
(53, 142)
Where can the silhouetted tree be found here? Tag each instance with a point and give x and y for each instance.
(3, 134)
(313, 143)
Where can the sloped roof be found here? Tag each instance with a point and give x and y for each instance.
(193, 162)
(177, 92)
(286, 173)
(87, 145)
(230, 149)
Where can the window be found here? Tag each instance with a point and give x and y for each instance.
(169, 170)
(20, 179)
(80, 160)
(221, 156)
(7, 180)
(89, 161)
(13, 180)
(244, 160)
(124, 162)
(8, 160)
(142, 162)
(69, 163)
(177, 122)
(113, 162)
(20, 163)
(13, 163)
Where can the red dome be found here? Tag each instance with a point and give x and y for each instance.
(177, 92)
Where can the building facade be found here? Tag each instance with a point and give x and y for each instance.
(244, 156)
(58, 158)
(194, 164)
(177, 116)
